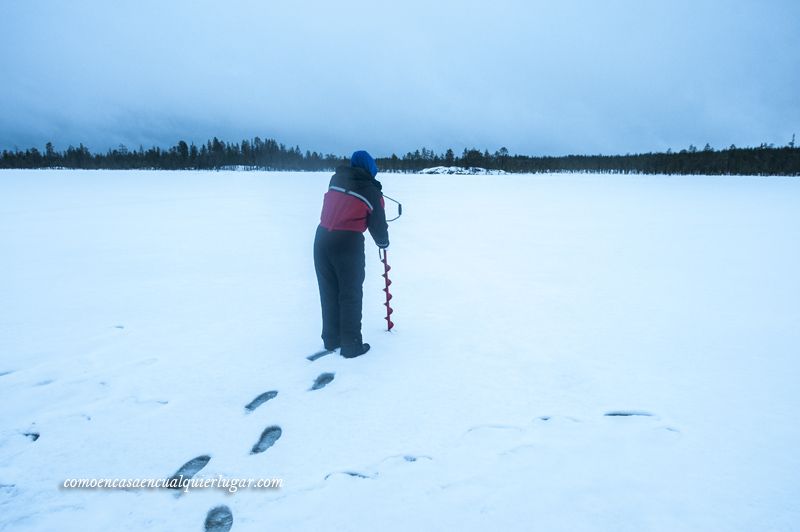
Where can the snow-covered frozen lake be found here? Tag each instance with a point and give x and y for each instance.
(141, 312)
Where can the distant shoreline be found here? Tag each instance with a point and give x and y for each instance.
(270, 155)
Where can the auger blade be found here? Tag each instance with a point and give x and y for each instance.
(388, 283)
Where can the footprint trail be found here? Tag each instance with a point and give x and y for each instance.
(191, 468)
(260, 400)
(267, 439)
(323, 380)
(219, 519)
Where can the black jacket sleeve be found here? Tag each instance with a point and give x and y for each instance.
(376, 223)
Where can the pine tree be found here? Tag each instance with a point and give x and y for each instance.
(449, 157)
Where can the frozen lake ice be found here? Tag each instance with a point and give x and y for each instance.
(571, 352)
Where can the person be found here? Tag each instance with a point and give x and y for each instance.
(352, 204)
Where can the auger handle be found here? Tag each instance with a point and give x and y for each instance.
(399, 208)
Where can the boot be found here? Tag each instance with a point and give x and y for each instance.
(332, 345)
(354, 351)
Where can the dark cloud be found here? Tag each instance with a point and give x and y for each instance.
(537, 77)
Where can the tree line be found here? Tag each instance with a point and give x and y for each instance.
(258, 154)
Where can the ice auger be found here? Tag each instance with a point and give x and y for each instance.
(386, 268)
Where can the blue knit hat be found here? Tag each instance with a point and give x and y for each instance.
(362, 159)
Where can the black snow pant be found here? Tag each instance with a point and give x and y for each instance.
(339, 262)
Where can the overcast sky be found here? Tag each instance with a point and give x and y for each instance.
(539, 77)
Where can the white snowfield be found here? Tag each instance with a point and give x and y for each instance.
(571, 353)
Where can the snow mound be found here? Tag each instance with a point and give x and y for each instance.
(462, 170)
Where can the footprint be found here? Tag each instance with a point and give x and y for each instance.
(138, 401)
(4, 373)
(44, 382)
(319, 354)
(654, 433)
(322, 381)
(494, 427)
(219, 519)
(399, 458)
(189, 469)
(557, 419)
(523, 448)
(492, 435)
(32, 435)
(267, 439)
(354, 474)
(388, 463)
(260, 400)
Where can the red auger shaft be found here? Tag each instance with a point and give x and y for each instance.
(386, 268)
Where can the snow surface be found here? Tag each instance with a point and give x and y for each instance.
(143, 310)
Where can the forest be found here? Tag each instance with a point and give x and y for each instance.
(269, 154)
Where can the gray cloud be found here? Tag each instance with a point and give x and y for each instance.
(538, 77)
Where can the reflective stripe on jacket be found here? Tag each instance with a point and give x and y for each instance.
(354, 203)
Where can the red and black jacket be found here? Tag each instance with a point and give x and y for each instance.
(354, 203)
